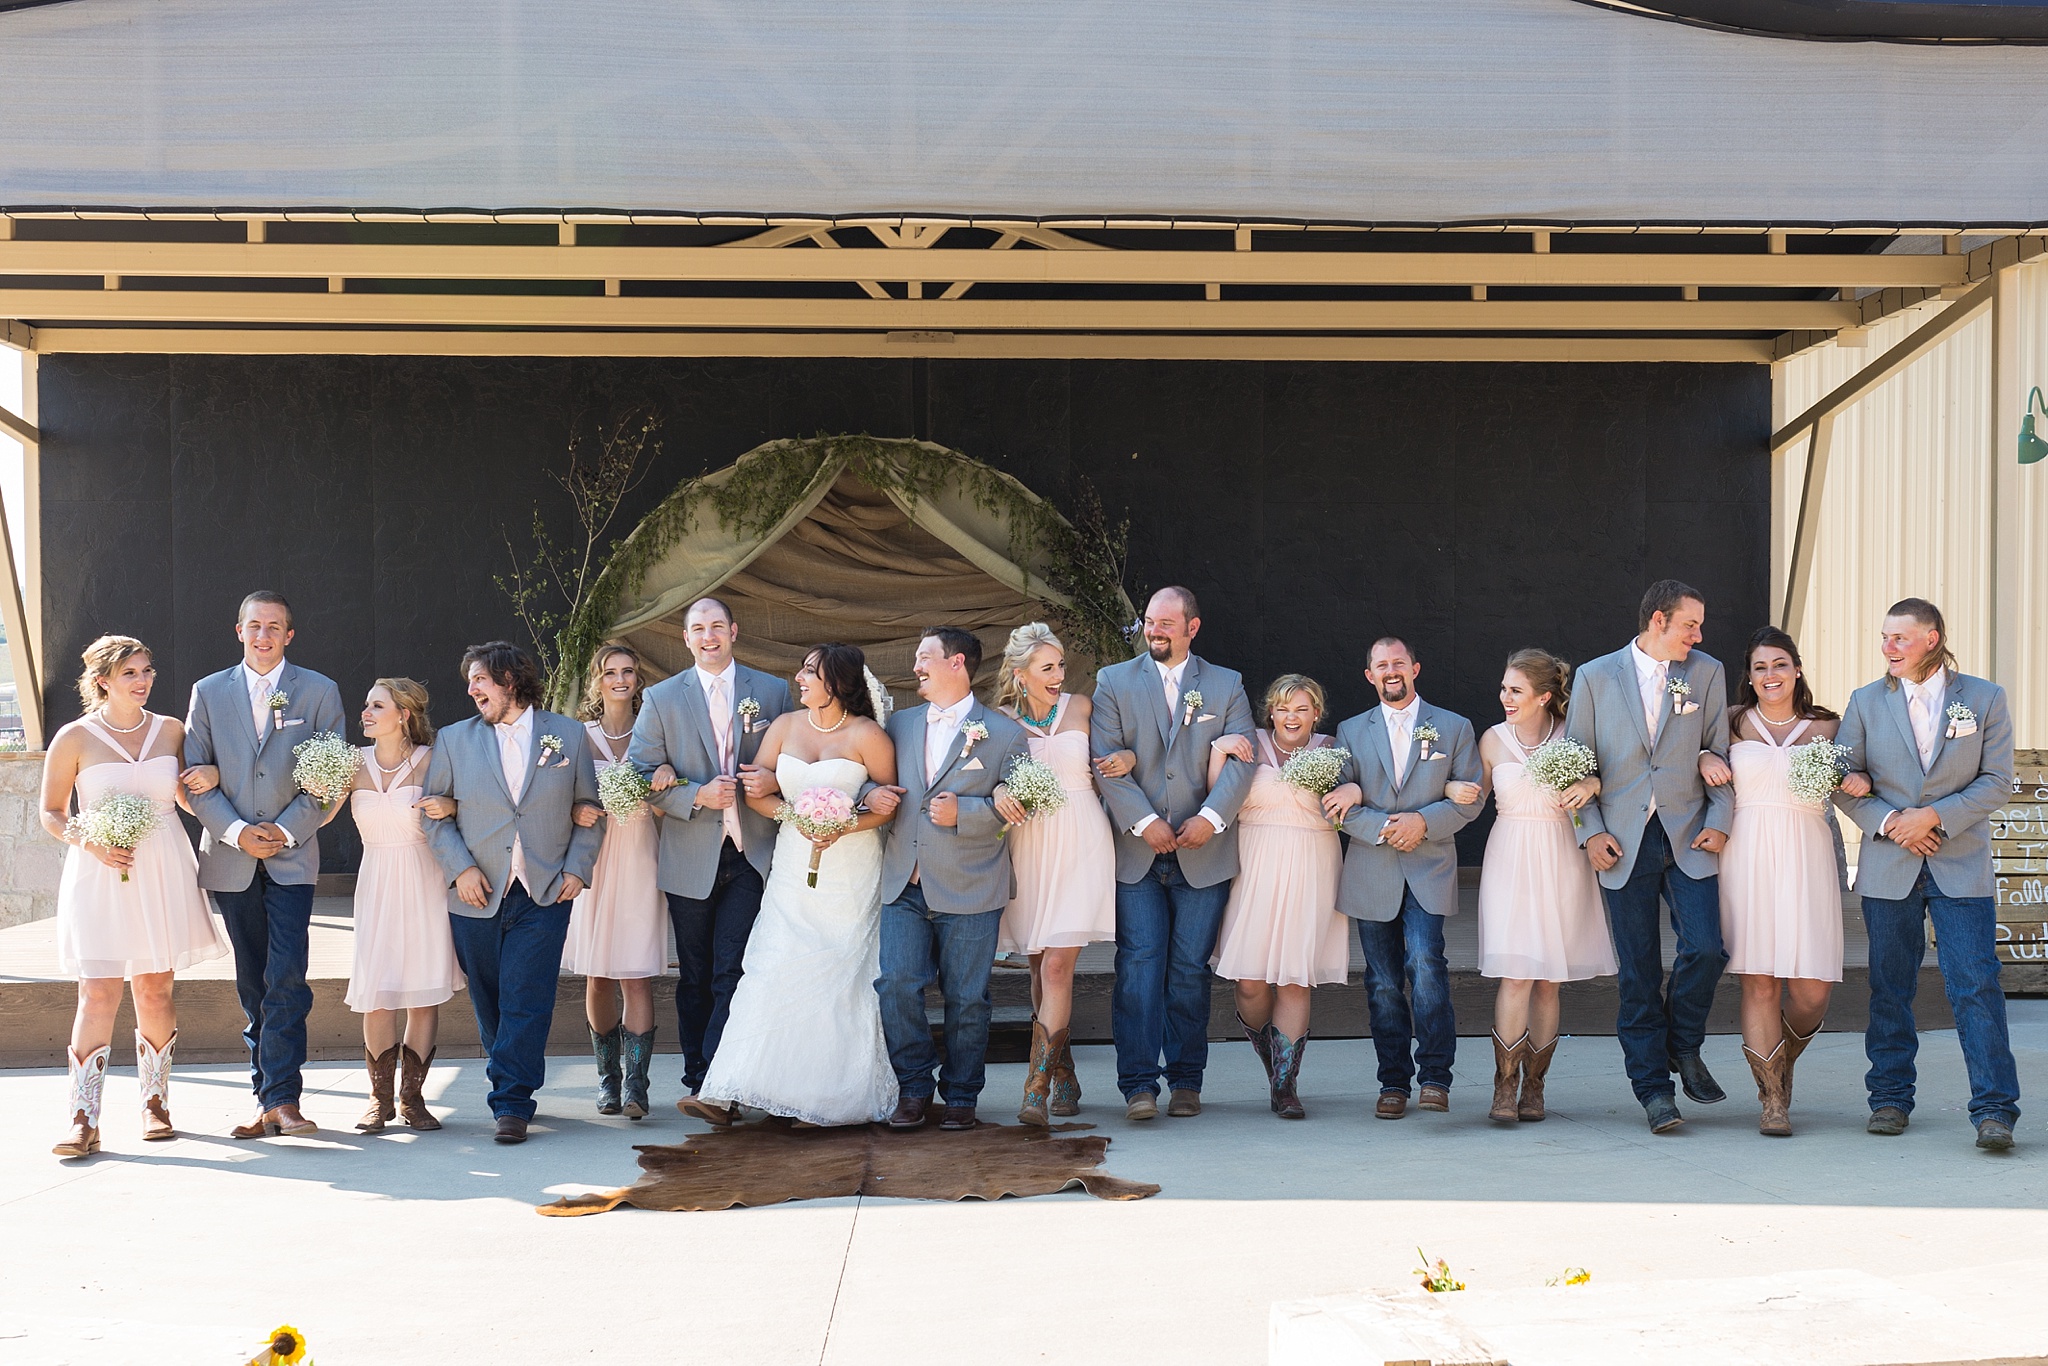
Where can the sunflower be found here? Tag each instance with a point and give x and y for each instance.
(287, 1347)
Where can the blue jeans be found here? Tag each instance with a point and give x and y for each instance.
(711, 944)
(1408, 952)
(267, 925)
(920, 945)
(1963, 938)
(1660, 1023)
(1159, 1004)
(512, 960)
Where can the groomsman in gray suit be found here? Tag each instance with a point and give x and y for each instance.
(1934, 750)
(1176, 848)
(945, 878)
(259, 852)
(515, 859)
(1401, 872)
(1655, 714)
(695, 739)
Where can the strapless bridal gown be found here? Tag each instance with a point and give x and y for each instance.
(805, 1035)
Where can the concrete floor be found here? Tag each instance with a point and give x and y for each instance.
(425, 1248)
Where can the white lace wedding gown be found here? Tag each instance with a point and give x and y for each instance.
(804, 1038)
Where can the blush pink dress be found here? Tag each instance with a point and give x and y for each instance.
(1065, 861)
(1781, 901)
(156, 921)
(1541, 918)
(1282, 924)
(618, 927)
(404, 949)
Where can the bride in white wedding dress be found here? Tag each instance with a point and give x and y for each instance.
(804, 1038)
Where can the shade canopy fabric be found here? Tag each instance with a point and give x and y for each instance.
(848, 563)
(1388, 111)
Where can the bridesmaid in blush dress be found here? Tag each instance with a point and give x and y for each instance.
(1282, 933)
(1781, 893)
(1064, 862)
(404, 952)
(618, 930)
(1541, 920)
(123, 914)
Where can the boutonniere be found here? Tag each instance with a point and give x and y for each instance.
(975, 733)
(1426, 735)
(1961, 720)
(1681, 697)
(1190, 703)
(750, 713)
(278, 702)
(550, 748)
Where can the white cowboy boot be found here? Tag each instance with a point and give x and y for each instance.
(153, 1069)
(87, 1077)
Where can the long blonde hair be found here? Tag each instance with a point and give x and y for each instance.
(593, 686)
(1024, 642)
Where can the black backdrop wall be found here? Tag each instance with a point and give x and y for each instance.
(1472, 508)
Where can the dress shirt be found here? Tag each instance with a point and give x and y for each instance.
(1651, 677)
(515, 745)
(260, 687)
(1169, 676)
(1401, 733)
(718, 700)
(941, 725)
(1923, 704)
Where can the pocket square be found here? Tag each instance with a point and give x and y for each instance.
(971, 766)
(1958, 729)
(756, 727)
(291, 721)
(1206, 716)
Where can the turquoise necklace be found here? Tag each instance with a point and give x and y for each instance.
(1042, 727)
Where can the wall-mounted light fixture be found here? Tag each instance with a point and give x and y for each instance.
(2032, 447)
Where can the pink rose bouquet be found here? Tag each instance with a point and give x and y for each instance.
(819, 813)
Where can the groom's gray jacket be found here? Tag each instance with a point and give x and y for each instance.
(467, 767)
(1171, 780)
(963, 869)
(1970, 778)
(1606, 715)
(1375, 873)
(256, 773)
(674, 728)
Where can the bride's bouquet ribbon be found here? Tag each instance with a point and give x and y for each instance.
(818, 813)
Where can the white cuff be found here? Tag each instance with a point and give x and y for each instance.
(289, 842)
(1143, 821)
(1884, 826)
(1208, 814)
(234, 833)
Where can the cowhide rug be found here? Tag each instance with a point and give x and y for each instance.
(767, 1163)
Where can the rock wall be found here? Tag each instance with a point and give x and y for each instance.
(30, 861)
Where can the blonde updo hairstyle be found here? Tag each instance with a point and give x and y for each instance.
(1285, 686)
(593, 686)
(1024, 642)
(410, 697)
(1546, 674)
(101, 658)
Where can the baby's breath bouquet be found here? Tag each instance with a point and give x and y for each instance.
(325, 767)
(1314, 770)
(1036, 786)
(1557, 764)
(118, 820)
(1818, 768)
(624, 790)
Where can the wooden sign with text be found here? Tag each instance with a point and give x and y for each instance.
(2019, 855)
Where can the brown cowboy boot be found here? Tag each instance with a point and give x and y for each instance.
(382, 1110)
(1287, 1073)
(153, 1070)
(1507, 1076)
(1795, 1044)
(412, 1104)
(1776, 1119)
(1535, 1064)
(1038, 1078)
(1066, 1086)
(88, 1078)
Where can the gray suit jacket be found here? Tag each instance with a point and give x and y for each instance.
(1606, 715)
(674, 728)
(256, 773)
(466, 767)
(1171, 780)
(1970, 778)
(963, 869)
(1374, 873)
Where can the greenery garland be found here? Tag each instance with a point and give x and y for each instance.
(1080, 560)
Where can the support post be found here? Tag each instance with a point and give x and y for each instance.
(2002, 600)
(1799, 579)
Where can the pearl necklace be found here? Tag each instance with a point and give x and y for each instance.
(1549, 730)
(609, 736)
(1284, 752)
(122, 730)
(1759, 713)
(812, 717)
(392, 772)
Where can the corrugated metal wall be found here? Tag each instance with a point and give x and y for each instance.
(1907, 505)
